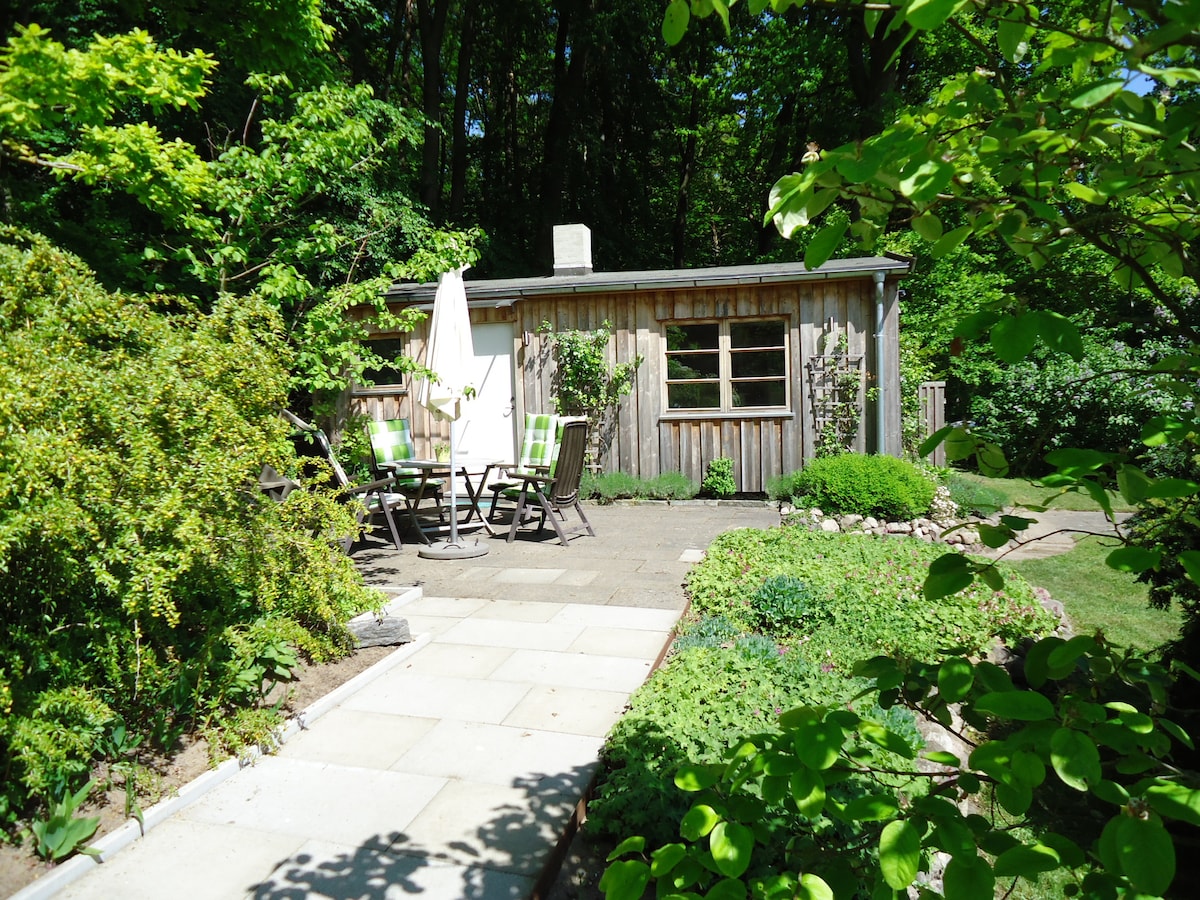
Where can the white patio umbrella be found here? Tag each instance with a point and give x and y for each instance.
(450, 355)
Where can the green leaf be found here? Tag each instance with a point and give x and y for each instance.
(692, 777)
(1175, 801)
(824, 242)
(899, 854)
(872, 808)
(1085, 193)
(808, 790)
(625, 880)
(943, 758)
(1133, 559)
(727, 889)
(1190, 560)
(1037, 669)
(923, 183)
(1094, 94)
(1026, 862)
(1013, 39)
(931, 443)
(1074, 461)
(1021, 706)
(992, 535)
(731, 845)
(948, 575)
(949, 241)
(629, 845)
(969, 878)
(1075, 758)
(1171, 488)
(888, 740)
(698, 821)
(675, 21)
(928, 226)
(818, 745)
(1059, 333)
(929, 14)
(1013, 337)
(1146, 854)
(955, 677)
(813, 887)
(666, 858)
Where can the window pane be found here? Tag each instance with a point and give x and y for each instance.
(388, 348)
(694, 395)
(759, 393)
(693, 337)
(756, 334)
(758, 364)
(694, 365)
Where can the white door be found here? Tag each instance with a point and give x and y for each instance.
(485, 431)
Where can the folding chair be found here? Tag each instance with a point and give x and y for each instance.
(392, 443)
(311, 443)
(537, 454)
(548, 496)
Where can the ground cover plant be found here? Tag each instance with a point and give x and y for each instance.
(782, 616)
(865, 595)
(147, 586)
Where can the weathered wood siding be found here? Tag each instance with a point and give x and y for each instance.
(646, 439)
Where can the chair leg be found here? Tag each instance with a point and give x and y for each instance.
(391, 523)
(586, 523)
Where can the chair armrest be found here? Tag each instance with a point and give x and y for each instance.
(372, 486)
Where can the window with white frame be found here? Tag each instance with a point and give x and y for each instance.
(726, 365)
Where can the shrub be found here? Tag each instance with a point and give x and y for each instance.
(718, 478)
(672, 486)
(881, 486)
(137, 559)
(710, 631)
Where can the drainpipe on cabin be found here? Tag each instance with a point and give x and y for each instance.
(880, 369)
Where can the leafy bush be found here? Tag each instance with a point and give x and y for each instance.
(718, 478)
(868, 592)
(1048, 401)
(136, 553)
(671, 486)
(881, 486)
(976, 499)
(709, 631)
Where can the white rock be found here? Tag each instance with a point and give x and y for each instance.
(830, 525)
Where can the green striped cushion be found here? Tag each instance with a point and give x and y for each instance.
(539, 441)
(391, 441)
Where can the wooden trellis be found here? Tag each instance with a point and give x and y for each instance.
(835, 387)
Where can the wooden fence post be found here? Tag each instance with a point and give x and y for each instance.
(933, 416)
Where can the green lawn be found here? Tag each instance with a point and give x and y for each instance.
(1025, 492)
(1096, 596)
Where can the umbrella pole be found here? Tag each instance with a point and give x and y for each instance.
(452, 548)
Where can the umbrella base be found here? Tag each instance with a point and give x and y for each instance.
(452, 550)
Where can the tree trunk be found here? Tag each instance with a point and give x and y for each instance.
(431, 21)
(462, 84)
(686, 164)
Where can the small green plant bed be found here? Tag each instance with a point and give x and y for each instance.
(1099, 598)
(1022, 492)
(689, 711)
(612, 486)
(849, 596)
(881, 486)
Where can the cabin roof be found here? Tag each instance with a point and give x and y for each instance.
(506, 290)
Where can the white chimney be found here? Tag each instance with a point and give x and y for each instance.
(572, 250)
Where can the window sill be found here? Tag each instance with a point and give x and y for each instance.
(380, 390)
(675, 415)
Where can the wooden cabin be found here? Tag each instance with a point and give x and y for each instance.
(755, 363)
